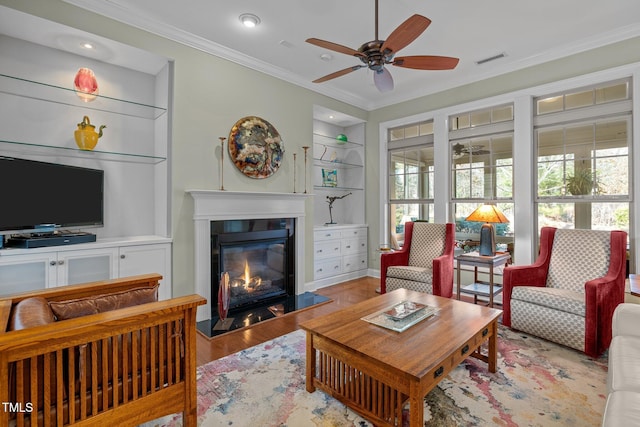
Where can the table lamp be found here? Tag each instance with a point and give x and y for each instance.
(487, 214)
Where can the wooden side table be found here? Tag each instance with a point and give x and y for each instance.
(479, 288)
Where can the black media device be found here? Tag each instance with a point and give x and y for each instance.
(40, 198)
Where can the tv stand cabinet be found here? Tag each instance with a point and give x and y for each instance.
(32, 269)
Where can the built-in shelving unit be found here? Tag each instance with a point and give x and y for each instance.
(340, 248)
(39, 113)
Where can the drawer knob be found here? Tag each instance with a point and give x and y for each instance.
(438, 372)
(465, 349)
(485, 332)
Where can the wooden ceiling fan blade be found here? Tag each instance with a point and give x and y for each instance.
(406, 32)
(334, 46)
(338, 74)
(426, 62)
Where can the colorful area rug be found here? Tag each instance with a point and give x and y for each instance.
(537, 383)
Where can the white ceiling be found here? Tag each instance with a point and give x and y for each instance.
(527, 32)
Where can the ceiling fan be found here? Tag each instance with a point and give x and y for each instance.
(460, 150)
(377, 53)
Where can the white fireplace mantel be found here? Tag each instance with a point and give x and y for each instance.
(217, 205)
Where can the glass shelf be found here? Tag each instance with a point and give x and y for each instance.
(327, 188)
(49, 150)
(334, 165)
(332, 142)
(67, 96)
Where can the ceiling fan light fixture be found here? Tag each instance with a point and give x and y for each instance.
(249, 20)
(383, 80)
(375, 54)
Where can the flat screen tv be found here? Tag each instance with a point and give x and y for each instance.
(38, 195)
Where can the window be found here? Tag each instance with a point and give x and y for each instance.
(411, 169)
(481, 144)
(583, 160)
(610, 92)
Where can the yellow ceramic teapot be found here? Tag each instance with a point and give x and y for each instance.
(86, 136)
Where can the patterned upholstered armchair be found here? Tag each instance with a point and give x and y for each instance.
(569, 294)
(425, 263)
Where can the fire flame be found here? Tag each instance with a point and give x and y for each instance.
(247, 275)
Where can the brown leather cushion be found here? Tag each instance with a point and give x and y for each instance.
(30, 312)
(73, 308)
(100, 303)
(124, 299)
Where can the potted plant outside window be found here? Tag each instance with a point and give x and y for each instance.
(582, 183)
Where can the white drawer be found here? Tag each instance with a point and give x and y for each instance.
(330, 267)
(354, 232)
(354, 245)
(326, 235)
(326, 249)
(354, 262)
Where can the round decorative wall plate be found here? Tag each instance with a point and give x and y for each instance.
(255, 147)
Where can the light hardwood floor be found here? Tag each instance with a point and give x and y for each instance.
(342, 295)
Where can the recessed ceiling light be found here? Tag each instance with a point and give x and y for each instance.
(249, 20)
(326, 57)
(87, 45)
(331, 116)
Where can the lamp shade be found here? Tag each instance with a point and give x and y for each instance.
(487, 213)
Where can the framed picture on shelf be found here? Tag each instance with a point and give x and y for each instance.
(329, 178)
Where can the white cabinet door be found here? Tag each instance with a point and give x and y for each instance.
(145, 259)
(21, 273)
(87, 265)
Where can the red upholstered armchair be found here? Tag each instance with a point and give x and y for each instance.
(425, 262)
(569, 294)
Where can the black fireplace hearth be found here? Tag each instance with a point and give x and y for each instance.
(261, 312)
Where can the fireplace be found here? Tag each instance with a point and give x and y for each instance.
(258, 255)
(244, 208)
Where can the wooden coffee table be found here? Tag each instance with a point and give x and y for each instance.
(375, 370)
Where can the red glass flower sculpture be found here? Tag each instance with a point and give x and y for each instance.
(86, 84)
